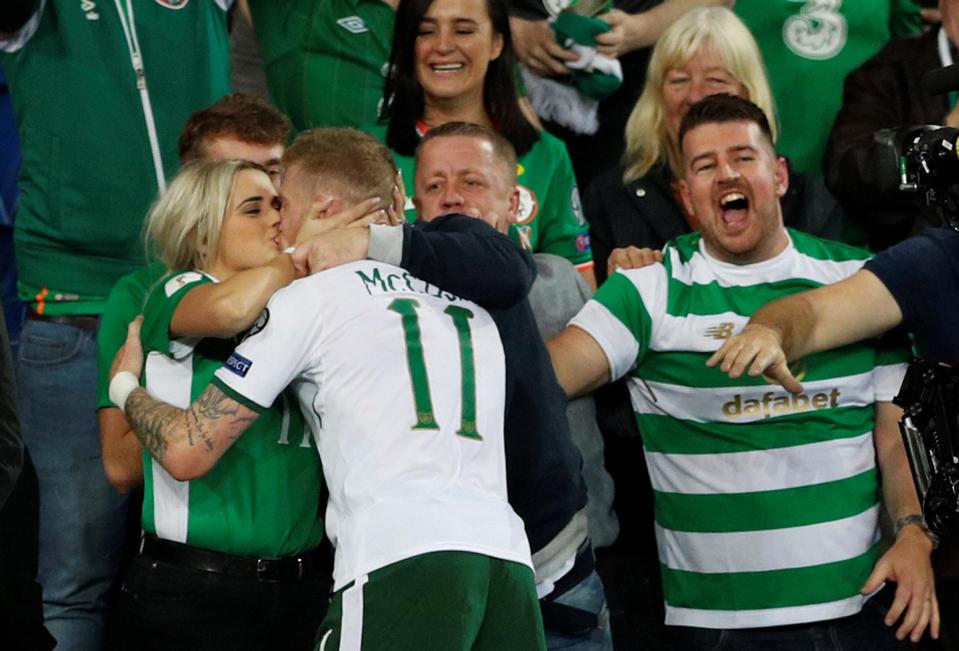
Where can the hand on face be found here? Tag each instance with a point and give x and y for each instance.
(321, 217)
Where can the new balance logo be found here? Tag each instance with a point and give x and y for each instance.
(353, 24)
(720, 331)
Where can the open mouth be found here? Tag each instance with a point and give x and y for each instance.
(446, 67)
(734, 208)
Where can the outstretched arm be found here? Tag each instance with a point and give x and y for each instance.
(459, 254)
(186, 442)
(228, 308)
(827, 317)
(467, 257)
(907, 562)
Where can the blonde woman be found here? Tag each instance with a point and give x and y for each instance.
(231, 556)
(706, 52)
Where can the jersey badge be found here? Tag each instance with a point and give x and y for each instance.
(173, 4)
(577, 206)
(180, 281)
(796, 367)
(353, 24)
(582, 243)
(528, 205)
(259, 324)
(238, 364)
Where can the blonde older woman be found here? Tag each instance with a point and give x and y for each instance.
(706, 52)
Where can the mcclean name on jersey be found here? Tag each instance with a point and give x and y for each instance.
(401, 283)
(769, 405)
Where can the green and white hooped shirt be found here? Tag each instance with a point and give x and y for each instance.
(766, 502)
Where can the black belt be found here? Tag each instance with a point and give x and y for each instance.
(83, 321)
(265, 570)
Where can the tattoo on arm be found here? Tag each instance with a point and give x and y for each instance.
(211, 423)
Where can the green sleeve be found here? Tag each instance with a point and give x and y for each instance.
(161, 305)
(563, 230)
(125, 303)
(904, 18)
(620, 296)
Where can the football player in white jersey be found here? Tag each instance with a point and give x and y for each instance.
(404, 386)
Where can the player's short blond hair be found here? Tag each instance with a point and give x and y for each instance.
(348, 163)
(647, 139)
(185, 222)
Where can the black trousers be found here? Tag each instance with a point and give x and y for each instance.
(21, 608)
(167, 606)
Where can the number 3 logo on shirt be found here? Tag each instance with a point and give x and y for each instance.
(818, 31)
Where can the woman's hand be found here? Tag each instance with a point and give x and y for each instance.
(537, 48)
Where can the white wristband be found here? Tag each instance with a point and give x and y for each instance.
(121, 386)
(289, 249)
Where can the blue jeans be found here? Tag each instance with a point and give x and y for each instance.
(864, 631)
(81, 516)
(586, 595)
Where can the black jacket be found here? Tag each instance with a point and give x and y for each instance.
(645, 212)
(884, 92)
(467, 257)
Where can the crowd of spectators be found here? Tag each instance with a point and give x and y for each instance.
(738, 159)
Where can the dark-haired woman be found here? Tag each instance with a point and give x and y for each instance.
(452, 60)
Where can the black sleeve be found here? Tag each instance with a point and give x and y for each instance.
(469, 258)
(600, 235)
(913, 272)
(15, 15)
(11, 445)
(857, 166)
(528, 9)
(809, 206)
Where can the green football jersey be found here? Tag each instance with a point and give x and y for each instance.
(263, 496)
(101, 91)
(809, 47)
(325, 61)
(124, 304)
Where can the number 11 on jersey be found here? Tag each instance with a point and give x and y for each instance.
(406, 308)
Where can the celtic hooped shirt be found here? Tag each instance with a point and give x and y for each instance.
(766, 502)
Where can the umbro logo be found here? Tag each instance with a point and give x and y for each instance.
(353, 24)
(89, 9)
(720, 331)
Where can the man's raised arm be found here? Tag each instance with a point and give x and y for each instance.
(186, 442)
(789, 328)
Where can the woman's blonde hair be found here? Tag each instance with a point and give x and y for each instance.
(647, 139)
(184, 224)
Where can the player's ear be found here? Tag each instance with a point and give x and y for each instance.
(513, 214)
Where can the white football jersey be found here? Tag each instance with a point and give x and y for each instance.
(404, 385)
